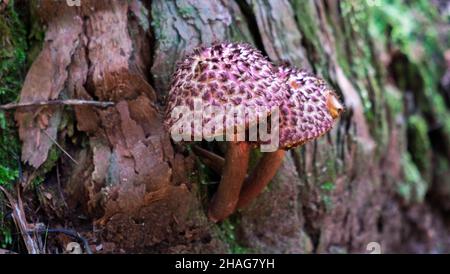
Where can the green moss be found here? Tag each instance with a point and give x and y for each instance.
(237, 34)
(327, 189)
(326, 176)
(12, 66)
(394, 101)
(327, 186)
(412, 29)
(36, 35)
(52, 158)
(47, 166)
(12, 53)
(356, 59)
(156, 24)
(187, 11)
(328, 202)
(7, 175)
(228, 235)
(419, 144)
(414, 188)
(5, 225)
(5, 230)
(202, 176)
(9, 151)
(305, 12)
(360, 65)
(332, 166)
(13, 48)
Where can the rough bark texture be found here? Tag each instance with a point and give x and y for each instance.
(380, 176)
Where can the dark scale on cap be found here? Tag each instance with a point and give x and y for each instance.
(211, 75)
(213, 85)
(206, 96)
(223, 77)
(237, 100)
(219, 95)
(226, 75)
(203, 77)
(231, 90)
(200, 87)
(235, 76)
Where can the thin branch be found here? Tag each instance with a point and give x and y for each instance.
(210, 159)
(20, 220)
(60, 147)
(69, 102)
(59, 186)
(67, 232)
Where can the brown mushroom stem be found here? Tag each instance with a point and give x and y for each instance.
(256, 182)
(261, 176)
(210, 159)
(226, 198)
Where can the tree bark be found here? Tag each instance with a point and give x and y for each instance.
(139, 192)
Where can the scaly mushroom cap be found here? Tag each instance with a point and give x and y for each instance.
(224, 75)
(310, 110)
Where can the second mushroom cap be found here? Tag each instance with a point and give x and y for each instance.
(310, 109)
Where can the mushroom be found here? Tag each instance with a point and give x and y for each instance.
(230, 75)
(308, 111)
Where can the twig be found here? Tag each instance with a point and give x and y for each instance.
(21, 222)
(67, 232)
(59, 186)
(69, 102)
(210, 159)
(60, 147)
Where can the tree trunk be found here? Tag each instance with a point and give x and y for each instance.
(380, 176)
